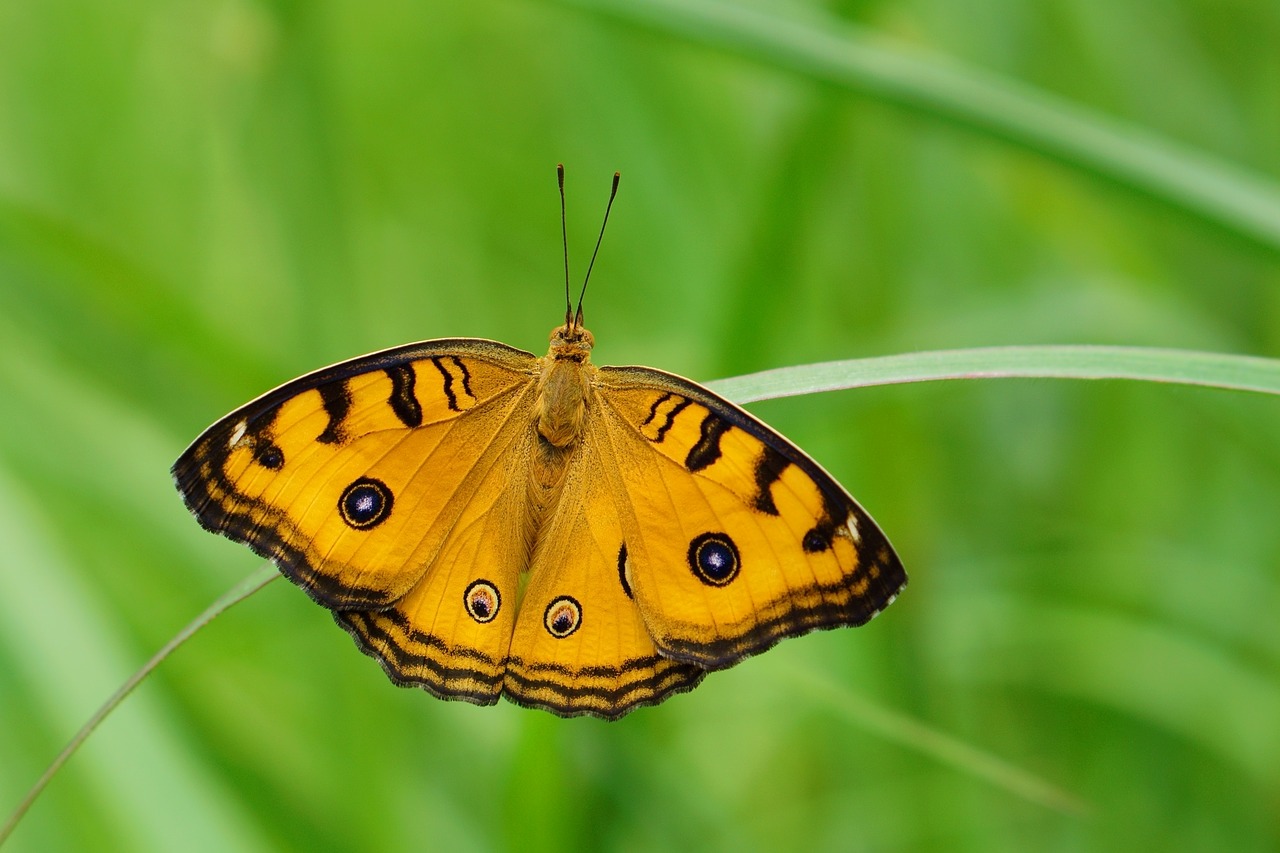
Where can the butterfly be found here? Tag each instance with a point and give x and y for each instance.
(581, 539)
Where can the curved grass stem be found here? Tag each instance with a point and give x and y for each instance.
(242, 590)
(1178, 367)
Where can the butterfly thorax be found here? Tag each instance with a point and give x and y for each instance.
(564, 386)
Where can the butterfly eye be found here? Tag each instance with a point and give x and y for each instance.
(365, 503)
(563, 617)
(714, 559)
(482, 601)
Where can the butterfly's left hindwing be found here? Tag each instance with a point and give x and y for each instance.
(736, 537)
(352, 477)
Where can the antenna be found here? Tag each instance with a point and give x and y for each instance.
(564, 236)
(577, 320)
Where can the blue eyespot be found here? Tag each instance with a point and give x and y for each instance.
(269, 455)
(365, 503)
(714, 559)
(817, 540)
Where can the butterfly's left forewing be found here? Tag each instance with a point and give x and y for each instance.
(352, 477)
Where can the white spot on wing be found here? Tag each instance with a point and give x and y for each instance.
(852, 526)
(237, 434)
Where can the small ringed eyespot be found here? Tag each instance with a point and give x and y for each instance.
(269, 456)
(562, 617)
(714, 559)
(482, 601)
(816, 540)
(365, 503)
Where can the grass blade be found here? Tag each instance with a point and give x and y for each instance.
(941, 747)
(1181, 367)
(235, 595)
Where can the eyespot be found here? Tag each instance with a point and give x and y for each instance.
(714, 559)
(563, 617)
(482, 601)
(268, 455)
(816, 540)
(365, 503)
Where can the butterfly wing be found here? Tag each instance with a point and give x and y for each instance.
(352, 478)
(450, 633)
(381, 486)
(735, 538)
(687, 537)
(580, 644)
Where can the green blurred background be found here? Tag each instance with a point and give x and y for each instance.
(200, 199)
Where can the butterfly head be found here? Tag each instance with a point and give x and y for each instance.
(571, 342)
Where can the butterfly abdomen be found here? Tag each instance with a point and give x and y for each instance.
(564, 390)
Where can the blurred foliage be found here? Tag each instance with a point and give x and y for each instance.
(203, 198)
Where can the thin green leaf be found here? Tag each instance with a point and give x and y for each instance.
(943, 748)
(242, 590)
(1182, 367)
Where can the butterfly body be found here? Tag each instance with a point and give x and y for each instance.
(581, 539)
